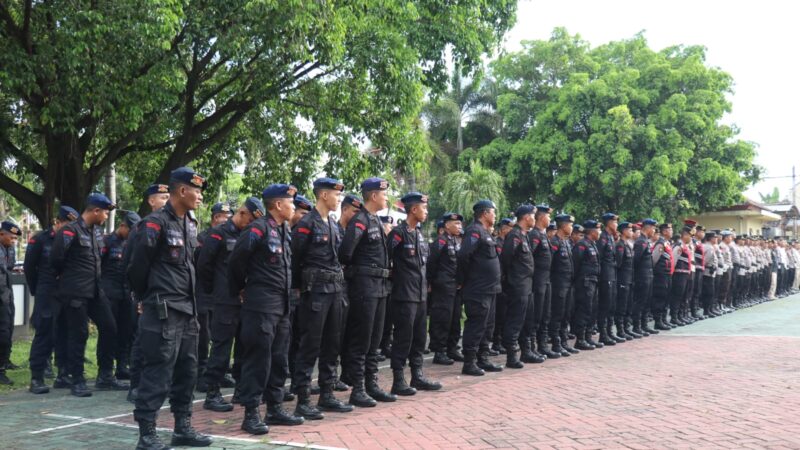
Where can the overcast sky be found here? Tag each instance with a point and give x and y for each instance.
(756, 42)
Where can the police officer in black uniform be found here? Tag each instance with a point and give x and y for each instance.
(76, 259)
(212, 271)
(302, 206)
(112, 279)
(365, 255)
(9, 233)
(561, 275)
(350, 207)
(538, 314)
(260, 271)
(318, 276)
(162, 274)
(607, 285)
(643, 278)
(498, 324)
(478, 274)
(662, 276)
(445, 308)
(518, 269)
(220, 213)
(42, 284)
(408, 251)
(587, 273)
(623, 257)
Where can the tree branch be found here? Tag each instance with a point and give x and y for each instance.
(23, 157)
(27, 197)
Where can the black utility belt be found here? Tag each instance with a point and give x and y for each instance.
(377, 272)
(322, 276)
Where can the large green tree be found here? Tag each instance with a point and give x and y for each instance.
(619, 127)
(156, 84)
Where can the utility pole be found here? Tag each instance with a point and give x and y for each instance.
(111, 192)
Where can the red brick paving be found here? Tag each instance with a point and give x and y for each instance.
(672, 392)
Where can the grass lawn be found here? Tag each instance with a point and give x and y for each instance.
(22, 377)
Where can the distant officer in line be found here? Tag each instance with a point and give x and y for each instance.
(388, 326)
(162, 273)
(9, 233)
(561, 274)
(212, 271)
(365, 256)
(643, 278)
(538, 314)
(445, 308)
(587, 272)
(220, 213)
(662, 276)
(506, 224)
(607, 285)
(479, 277)
(112, 279)
(156, 196)
(569, 325)
(350, 206)
(518, 267)
(682, 271)
(709, 274)
(408, 251)
(260, 271)
(76, 260)
(43, 285)
(699, 269)
(319, 279)
(302, 207)
(623, 258)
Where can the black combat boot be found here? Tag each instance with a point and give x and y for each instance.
(619, 338)
(38, 386)
(374, 390)
(419, 381)
(304, 407)
(660, 325)
(148, 437)
(123, 372)
(399, 385)
(79, 388)
(276, 415)
(341, 386)
(605, 339)
(566, 345)
(527, 355)
(557, 348)
(646, 327)
(186, 436)
(542, 343)
(486, 365)
(328, 402)
(470, 368)
(512, 359)
(252, 421)
(442, 359)
(359, 396)
(581, 343)
(62, 381)
(48, 371)
(590, 341)
(456, 355)
(107, 382)
(215, 402)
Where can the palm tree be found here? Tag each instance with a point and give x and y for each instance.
(463, 189)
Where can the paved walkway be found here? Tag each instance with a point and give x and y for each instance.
(730, 382)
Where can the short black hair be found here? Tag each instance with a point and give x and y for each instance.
(539, 213)
(270, 203)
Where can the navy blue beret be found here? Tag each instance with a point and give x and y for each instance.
(649, 222)
(439, 224)
(507, 221)
(523, 210)
(591, 224)
(131, 218)
(255, 207)
(387, 219)
(374, 184)
(623, 226)
(66, 213)
(414, 198)
(11, 227)
(482, 205)
(221, 207)
(711, 234)
(609, 216)
(279, 191)
(563, 218)
(577, 228)
(452, 216)
(664, 226)
(303, 203)
(188, 176)
(328, 183)
(156, 189)
(552, 226)
(544, 208)
(99, 200)
(352, 200)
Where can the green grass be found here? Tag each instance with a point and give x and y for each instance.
(20, 351)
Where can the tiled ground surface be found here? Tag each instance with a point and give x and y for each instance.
(730, 382)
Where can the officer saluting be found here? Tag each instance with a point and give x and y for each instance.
(260, 271)
(318, 276)
(163, 276)
(479, 275)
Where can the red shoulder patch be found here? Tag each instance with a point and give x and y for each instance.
(70, 233)
(476, 235)
(397, 238)
(555, 247)
(303, 230)
(361, 226)
(582, 247)
(154, 226)
(31, 241)
(257, 231)
(442, 242)
(216, 236)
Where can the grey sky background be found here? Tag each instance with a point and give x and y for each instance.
(756, 42)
